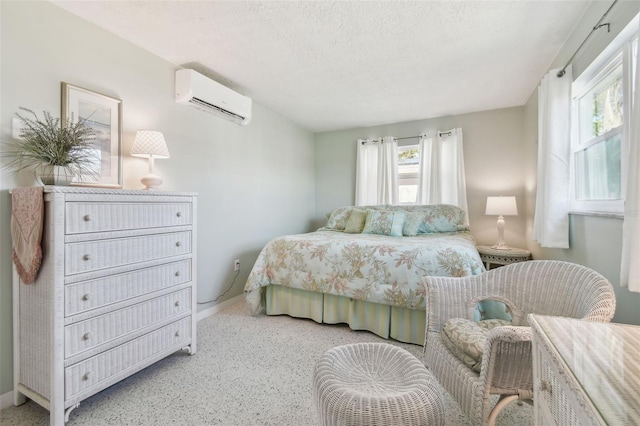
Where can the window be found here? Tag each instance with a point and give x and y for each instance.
(601, 103)
(596, 153)
(408, 169)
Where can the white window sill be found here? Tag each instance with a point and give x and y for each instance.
(613, 215)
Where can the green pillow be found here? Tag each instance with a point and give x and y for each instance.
(412, 223)
(356, 221)
(384, 222)
(492, 309)
(338, 218)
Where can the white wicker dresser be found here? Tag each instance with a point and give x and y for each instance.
(116, 292)
(585, 373)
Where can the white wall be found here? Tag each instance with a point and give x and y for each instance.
(255, 182)
(494, 165)
(595, 241)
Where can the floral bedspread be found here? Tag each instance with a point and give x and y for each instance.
(374, 268)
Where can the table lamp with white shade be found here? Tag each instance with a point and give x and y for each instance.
(501, 206)
(150, 144)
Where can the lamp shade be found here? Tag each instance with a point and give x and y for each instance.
(149, 143)
(501, 206)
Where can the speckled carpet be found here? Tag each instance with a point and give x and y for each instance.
(248, 371)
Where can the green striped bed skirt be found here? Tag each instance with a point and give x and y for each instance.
(405, 325)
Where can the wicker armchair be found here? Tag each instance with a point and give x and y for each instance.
(545, 287)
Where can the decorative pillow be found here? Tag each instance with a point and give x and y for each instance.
(384, 222)
(466, 338)
(338, 218)
(356, 221)
(411, 224)
(443, 218)
(492, 309)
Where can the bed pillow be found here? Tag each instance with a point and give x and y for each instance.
(443, 218)
(412, 223)
(384, 222)
(356, 221)
(338, 218)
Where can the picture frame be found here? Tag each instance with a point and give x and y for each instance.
(104, 115)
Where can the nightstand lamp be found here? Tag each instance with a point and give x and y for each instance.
(501, 206)
(150, 144)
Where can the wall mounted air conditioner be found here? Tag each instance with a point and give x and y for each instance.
(207, 95)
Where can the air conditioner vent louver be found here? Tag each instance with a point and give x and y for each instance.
(206, 106)
(207, 95)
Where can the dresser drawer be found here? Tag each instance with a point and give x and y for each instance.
(100, 217)
(112, 365)
(86, 295)
(93, 255)
(551, 391)
(104, 328)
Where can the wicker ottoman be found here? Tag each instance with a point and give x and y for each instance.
(375, 384)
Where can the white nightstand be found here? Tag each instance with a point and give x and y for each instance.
(498, 257)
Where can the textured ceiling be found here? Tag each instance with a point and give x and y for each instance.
(334, 65)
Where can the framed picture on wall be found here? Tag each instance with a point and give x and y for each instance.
(104, 115)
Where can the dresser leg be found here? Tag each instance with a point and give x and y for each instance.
(56, 416)
(18, 398)
(68, 411)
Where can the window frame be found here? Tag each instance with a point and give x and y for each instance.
(619, 52)
(408, 178)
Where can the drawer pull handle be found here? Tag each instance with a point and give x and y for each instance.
(86, 336)
(179, 214)
(86, 257)
(85, 297)
(178, 244)
(177, 303)
(177, 334)
(87, 218)
(545, 386)
(85, 376)
(177, 273)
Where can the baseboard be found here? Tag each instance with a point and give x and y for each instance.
(6, 400)
(215, 308)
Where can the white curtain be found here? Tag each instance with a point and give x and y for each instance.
(630, 266)
(551, 219)
(388, 171)
(377, 171)
(441, 177)
(367, 172)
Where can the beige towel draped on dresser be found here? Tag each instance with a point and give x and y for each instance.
(27, 213)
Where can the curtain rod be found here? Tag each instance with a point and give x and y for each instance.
(410, 137)
(595, 28)
(414, 137)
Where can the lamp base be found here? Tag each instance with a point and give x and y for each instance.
(500, 245)
(151, 181)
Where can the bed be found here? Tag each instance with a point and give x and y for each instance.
(364, 268)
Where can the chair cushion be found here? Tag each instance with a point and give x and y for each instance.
(466, 338)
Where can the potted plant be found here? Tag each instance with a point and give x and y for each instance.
(56, 151)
